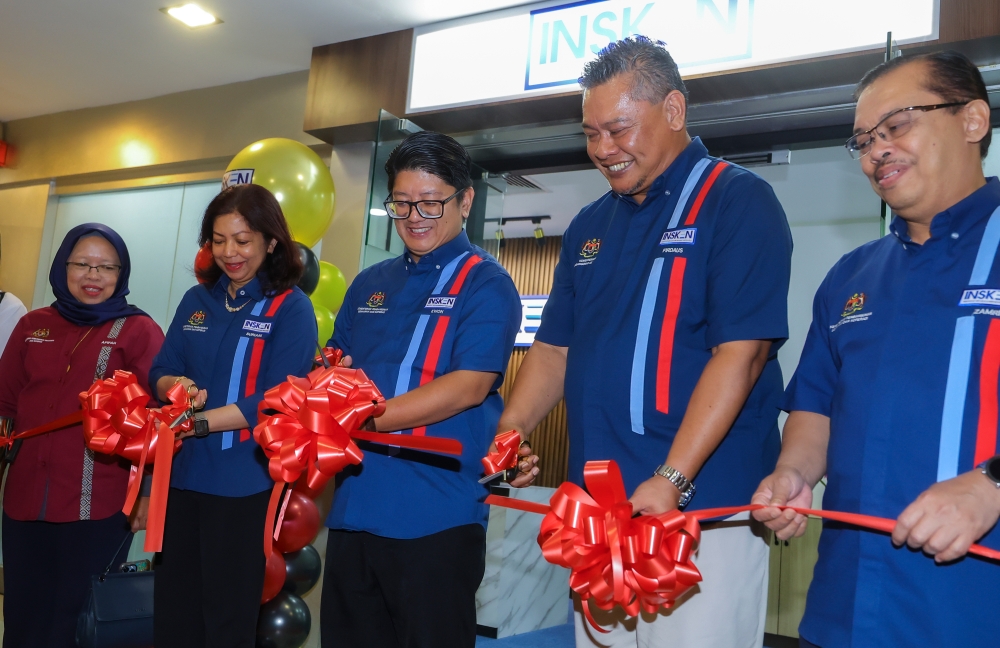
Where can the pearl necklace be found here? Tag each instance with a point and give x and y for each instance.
(238, 308)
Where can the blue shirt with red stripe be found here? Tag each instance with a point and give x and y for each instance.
(236, 357)
(903, 355)
(405, 324)
(642, 294)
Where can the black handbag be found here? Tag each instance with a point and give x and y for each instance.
(118, 612)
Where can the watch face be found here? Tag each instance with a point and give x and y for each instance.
(992, 469)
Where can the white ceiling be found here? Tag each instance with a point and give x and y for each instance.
(563, 195)
(58, 55)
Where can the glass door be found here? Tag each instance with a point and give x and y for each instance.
(381, 242)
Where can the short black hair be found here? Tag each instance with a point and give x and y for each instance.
(282, 268)
(435, 153)
(951, 76)
(654, 72)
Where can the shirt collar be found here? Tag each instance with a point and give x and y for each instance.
(440, 255)
(961, 217)
(676, 174)
(251, 290)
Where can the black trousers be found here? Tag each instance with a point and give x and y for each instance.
(210, 574)
(47, 570)
(388, 593)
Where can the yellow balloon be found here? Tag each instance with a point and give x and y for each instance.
(324, 322)
(298, 179)
(331, 287)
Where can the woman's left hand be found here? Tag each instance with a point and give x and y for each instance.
(139, 514)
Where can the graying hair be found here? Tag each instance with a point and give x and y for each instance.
(654, 72)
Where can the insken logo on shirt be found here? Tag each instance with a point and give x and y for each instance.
(679, 237)
(257, 327)
(854, 304)
(440, 302)
(197, 318)
(980, 297)
(589, 251)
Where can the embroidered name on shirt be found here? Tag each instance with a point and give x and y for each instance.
(679, 236)
(440, 302)
(589, 252)
(980, 297)
(257, 327)
(850, 319)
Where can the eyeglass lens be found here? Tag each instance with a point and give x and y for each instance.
(84, 268)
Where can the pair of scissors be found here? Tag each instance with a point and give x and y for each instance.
(503, 475)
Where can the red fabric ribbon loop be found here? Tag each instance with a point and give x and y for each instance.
(116, 421)
(639, 563)
(506, 454)
(305, 427)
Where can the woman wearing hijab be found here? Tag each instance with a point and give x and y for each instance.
(238, 334)
(62, 517)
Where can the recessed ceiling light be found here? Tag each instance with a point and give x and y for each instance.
(191, 15)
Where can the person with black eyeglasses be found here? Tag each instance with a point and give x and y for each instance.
(434, 329)
(895, 398)
(62, 503)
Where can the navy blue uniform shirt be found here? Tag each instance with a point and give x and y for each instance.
(903, 356)
(643, 293)
(236, 357)
(405, 324)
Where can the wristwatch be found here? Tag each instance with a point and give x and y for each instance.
(991, 468)
(200, 425)
(683, 484)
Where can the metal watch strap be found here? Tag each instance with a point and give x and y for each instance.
(991, 468)
(683, 484)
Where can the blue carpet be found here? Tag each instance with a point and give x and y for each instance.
(560, 636)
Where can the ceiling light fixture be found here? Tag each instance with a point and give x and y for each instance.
(191, 15)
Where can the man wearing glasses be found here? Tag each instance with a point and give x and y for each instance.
(895, 398)
(434, 329)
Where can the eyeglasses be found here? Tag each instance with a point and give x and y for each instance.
(894, 125)
(400, 209)
(84, 268)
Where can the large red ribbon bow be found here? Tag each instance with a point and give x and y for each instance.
(116, 421)
(639, 563)
(308, 427)
(505, 456)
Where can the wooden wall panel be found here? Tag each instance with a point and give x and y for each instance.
(531, 266)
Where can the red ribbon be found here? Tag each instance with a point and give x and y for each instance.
(506, 454)
(116, 421)
(641, 563)
(307, 427)
(333, 357)
(51, 426)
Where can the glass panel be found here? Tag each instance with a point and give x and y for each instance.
(381, 242)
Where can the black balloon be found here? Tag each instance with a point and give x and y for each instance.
(302, 570)
(310, 272)
(283, 622)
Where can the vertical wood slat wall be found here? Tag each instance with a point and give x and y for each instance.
(532, 266)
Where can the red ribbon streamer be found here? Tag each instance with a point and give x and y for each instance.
(641, 563)
(116, 421)
(506, 454)
(307, 427)
(333, 357)
(51, 426)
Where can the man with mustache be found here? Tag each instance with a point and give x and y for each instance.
(895, 396)
(662, 329)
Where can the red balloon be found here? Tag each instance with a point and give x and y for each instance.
(203, 260)
(274, 577)
(300, 525)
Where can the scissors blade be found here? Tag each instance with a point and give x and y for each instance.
(503, 475)
(185, 415)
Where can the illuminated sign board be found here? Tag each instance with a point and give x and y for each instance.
(541, 49)
(531, 318)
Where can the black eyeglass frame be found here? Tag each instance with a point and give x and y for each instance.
(79, 266)
(415, 204)
(852, 149)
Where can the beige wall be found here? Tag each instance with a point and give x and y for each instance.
(181, 137)
(22, 217)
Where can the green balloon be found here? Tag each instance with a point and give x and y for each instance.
(324, 322)
(331, 288)
(298, 179)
